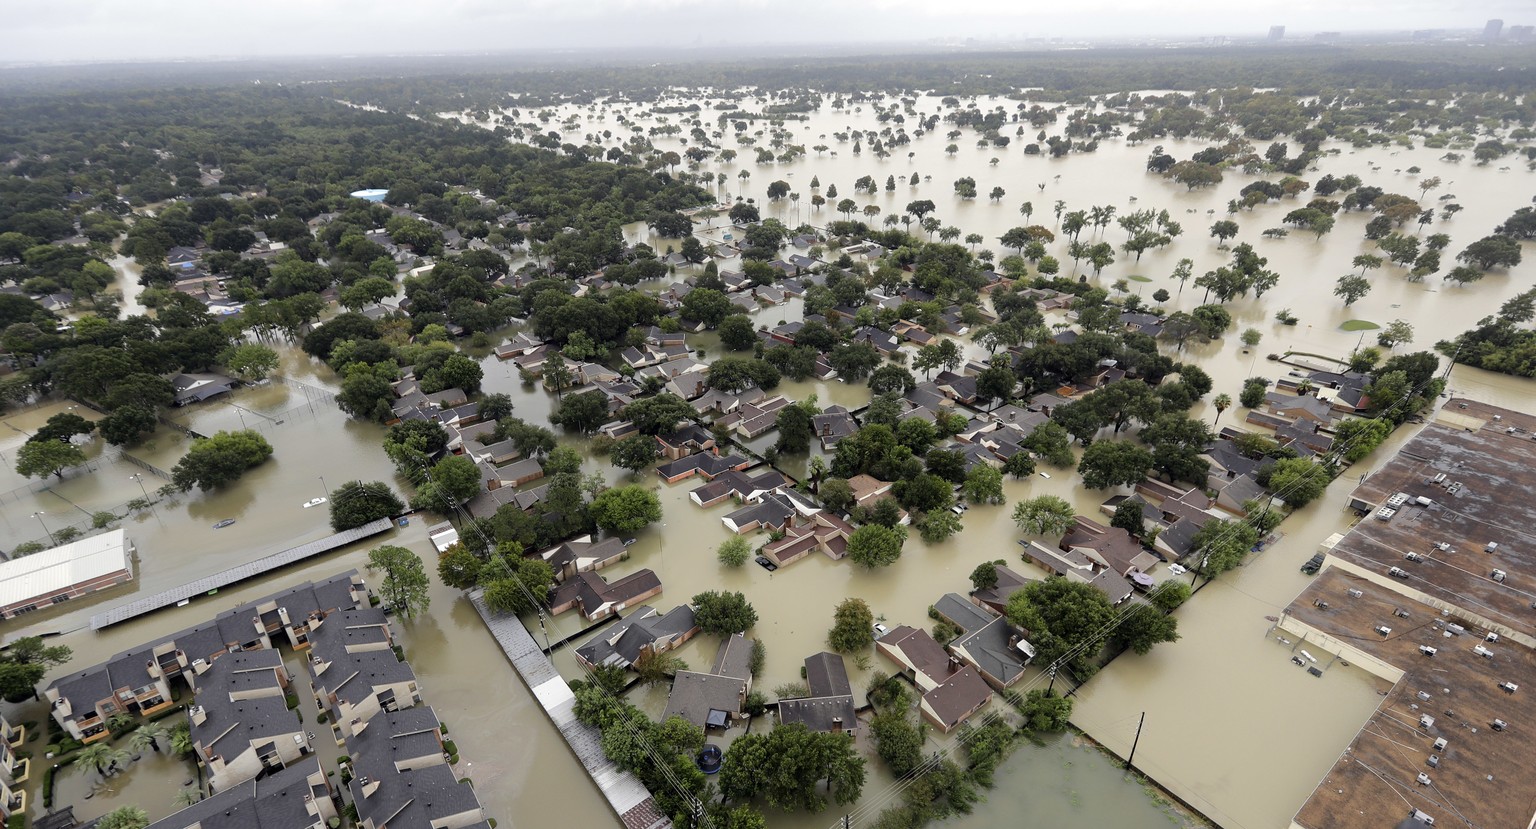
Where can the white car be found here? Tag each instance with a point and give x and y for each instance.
(314, 502)
(1177, 569)
(881, 630)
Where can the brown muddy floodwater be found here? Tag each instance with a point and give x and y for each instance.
(1231, 725)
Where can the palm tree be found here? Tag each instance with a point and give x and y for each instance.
(1222, 402)
(181, 739)
(125, 817)
(101, 757)
(149, 736)
(187, 796)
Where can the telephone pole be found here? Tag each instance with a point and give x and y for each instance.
(1132, 755)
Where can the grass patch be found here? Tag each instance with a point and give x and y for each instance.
(1359, 325)
(1136, 277)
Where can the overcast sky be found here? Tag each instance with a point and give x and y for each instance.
(94, 30)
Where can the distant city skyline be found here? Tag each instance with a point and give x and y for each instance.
(46, 31)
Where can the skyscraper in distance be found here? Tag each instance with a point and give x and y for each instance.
(1276, 32)
(1492, 28)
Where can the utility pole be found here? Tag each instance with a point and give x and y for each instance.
(1132, 755)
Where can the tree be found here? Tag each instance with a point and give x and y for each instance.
(24, 663)
(898, 742)
(736, 333)
(1253, 392)
(1143, 626)
(995, 382)
(853, 626)
(1298, 481)
(1194, 174)
(1396, 332)
(983, 485)
(786, 767)
(494, 406)
(1223, 230)
(661, 414)
(635, 453)
(1221, 402)
(873, 545)
(626, 509)
(451, 481)
(41, 458)
(355, 503)
(836, 494)
(1352, 288)
(405, 586)
(854, 361)
(1128, 517)
(1067, 620)
(128, 425)
(250, 361)
(1356, 438)
(1220, 545)
(220, 459)
(734, 551)
(657, 667)
(582, 412)
(459, 568)
(149, 736)
(1489, 252)
(1169, 595)
(124, 817)
(1044, 515)
(723, 613)
(795, 429)
(1114, 463)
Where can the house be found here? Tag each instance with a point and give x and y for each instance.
(753, 419)
(196, 388)
(995, 598)
(740, 486)
(773, 512)
(499, 453)
(919, 655)
(514, 474)
(829, 706)
(354, 669)
(705, 700)
(644, 631)
(961, 612)
(883, 341)
(723, 402)
(956, 699)
(1238, 492)
(997, 651)
(712, 700)
(402, 779)
(1074, 565)
(819, 531)
(1110, 548)
(956, 387)
(137, 681)
(595, 598)
(707, 464)
(296, 797)
(518, 345)
(240, 722)
(686, 440)
(832, 425)
(583, 555)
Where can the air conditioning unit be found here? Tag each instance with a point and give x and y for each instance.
(1384, 630)
(1491, 637)
(1509, 687)
(1499, 725)
(1354, 594)
(1427, 650)
(1482, 651)
(1414, 557)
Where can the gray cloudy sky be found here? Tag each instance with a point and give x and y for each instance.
(92, 30)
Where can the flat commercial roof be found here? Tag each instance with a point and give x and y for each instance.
(50, 571)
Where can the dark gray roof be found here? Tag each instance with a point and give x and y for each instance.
(406, 734)
(231, 725)
(826, 675)
(698, 697)
(820, 713)
(992, 648)
(275, 801)
(622, 643)
(734, 657)
(960, 612)
(410, 799)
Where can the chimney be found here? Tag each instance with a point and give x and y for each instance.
(368, 786)
(1013, 640)
(954, 665)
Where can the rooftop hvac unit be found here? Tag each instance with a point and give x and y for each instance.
(1491, 637)
(1353, 593)
(1433, 761)
(1499, 725)
(1426, 721)
(1384, 630)
(1428, 651)
(1385, 514)
(1423, 501)
(1440, 744)
(1443, 547)
(1397, 500)
(1482, 651)
(1498, 576)
(1399, 613)
(1421, 817)
(1509, 687)
(1455, 628)
(1423, 696)
(1440, 478)
(1423, 779)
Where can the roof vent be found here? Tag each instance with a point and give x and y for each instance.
(1397, 573)
(1399, 613)
(1421, 817)
(1491, 637)
(1443, 547)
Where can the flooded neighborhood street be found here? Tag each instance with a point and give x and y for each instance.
(1231, 727)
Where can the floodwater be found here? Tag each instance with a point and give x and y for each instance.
(1231, 725)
